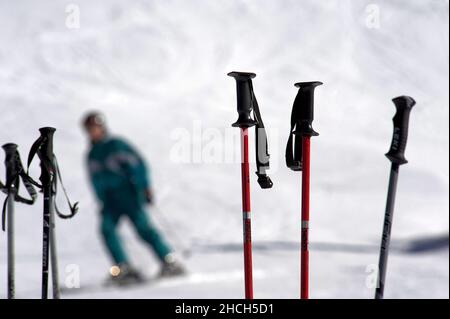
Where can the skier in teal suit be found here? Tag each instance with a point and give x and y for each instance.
(121, 182)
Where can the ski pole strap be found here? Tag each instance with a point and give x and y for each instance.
(21, 175)
(46, 161)
(246, 105)
(262, 147)
(50, 168)
(4, 213)
(74, 207)
(302, 117)
(15, 173)
(18, 198)
(294, 144)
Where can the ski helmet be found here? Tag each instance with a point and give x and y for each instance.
(94, 118)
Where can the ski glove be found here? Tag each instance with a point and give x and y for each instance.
(149, 197)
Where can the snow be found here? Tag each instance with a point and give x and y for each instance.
(158, 69)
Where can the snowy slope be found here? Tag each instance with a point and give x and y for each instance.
(158, 68)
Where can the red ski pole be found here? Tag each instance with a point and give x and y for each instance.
(246, 211)
(304, 269)
(298, 159)
(246, 104)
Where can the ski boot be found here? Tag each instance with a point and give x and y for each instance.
(124, 275)
(171, 268)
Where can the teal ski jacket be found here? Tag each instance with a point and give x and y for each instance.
(118, 173)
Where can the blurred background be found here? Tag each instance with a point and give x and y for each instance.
(157, 70)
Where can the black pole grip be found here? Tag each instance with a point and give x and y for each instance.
(11, 164)
(304, 108)
(404, 105)
(46, 155)
(244, 98)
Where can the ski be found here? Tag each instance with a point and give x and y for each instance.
(145, 281)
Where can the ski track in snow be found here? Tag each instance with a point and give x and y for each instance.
(153, 66)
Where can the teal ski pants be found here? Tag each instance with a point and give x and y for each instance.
(144, 228)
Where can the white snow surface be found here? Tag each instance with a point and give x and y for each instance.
(158, 67)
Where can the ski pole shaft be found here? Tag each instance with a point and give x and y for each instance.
(386, 237)
(396, 155)
(246, 210)
(46, 178)
(11, 263)
(46, 240)
(53, 252)
(304, 271)
(11, 181)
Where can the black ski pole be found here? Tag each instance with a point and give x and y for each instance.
(47, 176)
(11, 181)
(396, 155)
(53, 250)
(43, 147)
(14, 173)
(50, 173)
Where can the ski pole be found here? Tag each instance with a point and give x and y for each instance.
(14, 173)
(11, 180)
(43, 147)
(169, 228)
(396, 155)
(298, 159)
(53, 250)
(47, 175)
(185, 251)
(50, 174)
(246, 104)
(246, 210)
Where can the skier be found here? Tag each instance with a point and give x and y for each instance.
(120, 179)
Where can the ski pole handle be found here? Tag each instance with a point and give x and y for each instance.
(10, 163)
(46, 154)
(404, 105)
(304, 105)
(244, 98)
